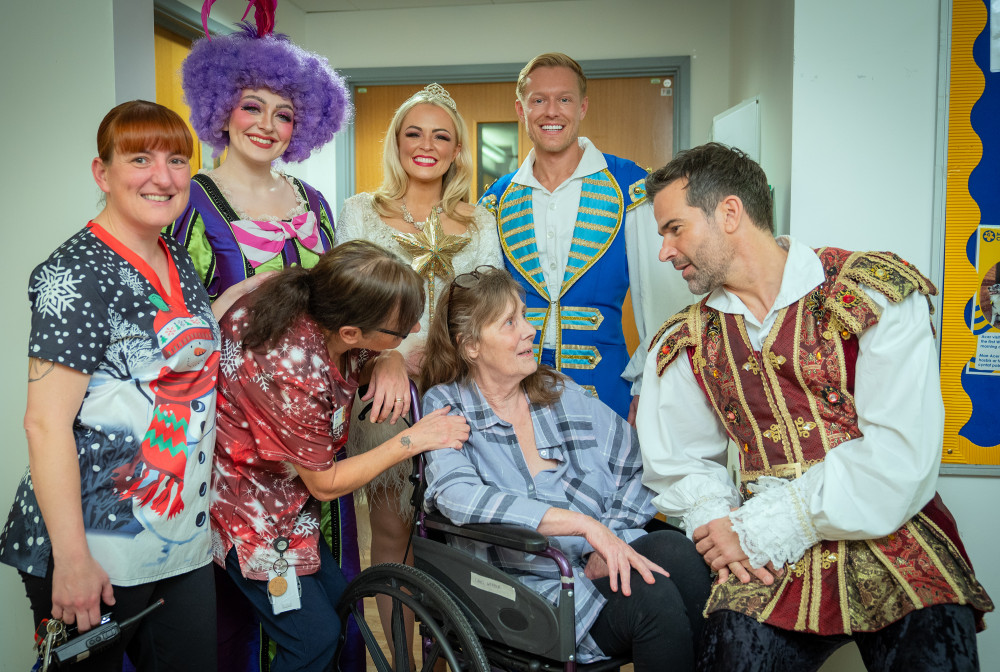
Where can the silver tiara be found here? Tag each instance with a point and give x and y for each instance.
(438, 93)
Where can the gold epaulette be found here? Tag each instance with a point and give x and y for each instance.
(886, 273)
(684, 332)
(637, 192)
(490, 203)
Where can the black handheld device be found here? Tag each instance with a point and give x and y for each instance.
(96, 639)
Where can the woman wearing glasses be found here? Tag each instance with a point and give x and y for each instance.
(545, 454)
(422, 214)
(293, 355)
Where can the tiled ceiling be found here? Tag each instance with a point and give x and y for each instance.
(355, 5)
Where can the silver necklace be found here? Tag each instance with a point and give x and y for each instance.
(408, 218)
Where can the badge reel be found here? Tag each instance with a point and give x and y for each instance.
(280, 577)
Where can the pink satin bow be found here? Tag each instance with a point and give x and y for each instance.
(262, 241)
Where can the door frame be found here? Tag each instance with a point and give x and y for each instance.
(677, 67)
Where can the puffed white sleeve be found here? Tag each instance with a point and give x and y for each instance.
(684, 446)
(867, 487)
(350, 224)
(658, 291)
(487, 239)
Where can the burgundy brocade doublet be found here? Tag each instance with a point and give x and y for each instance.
(789, 404)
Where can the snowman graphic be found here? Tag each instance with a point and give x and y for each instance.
(155, 476)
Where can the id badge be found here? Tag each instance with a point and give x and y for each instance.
(289, 599)
(338, 419)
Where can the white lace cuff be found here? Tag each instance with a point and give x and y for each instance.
(704, 511)
(774, 525)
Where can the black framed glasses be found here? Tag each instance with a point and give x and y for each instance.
(471, 279)
(397, 334)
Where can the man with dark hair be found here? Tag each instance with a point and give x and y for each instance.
(574, 225)
(820, 367)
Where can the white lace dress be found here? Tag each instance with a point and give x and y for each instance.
(359, 220)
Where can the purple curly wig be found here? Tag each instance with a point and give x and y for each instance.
(217, 71)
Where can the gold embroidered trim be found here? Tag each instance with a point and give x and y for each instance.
(936, 561)
(816, 594)
(518, 230)
(884, 272)
(518, 201)
(903, 585)
(800, 378)
(587, 243)
(686, 333)
(845, 614)
(579, 356)
(773, 433)
(590, 226)
(766, 611)
(604, 179)
(803, 427)
(590, 318)
(775, 359)
(490, 203)
(806, 592)
(738, 383)
(776, 397)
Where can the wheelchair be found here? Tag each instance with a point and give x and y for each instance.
(470, 615)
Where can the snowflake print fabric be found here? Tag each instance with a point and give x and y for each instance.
(146, 428)
(277, 407)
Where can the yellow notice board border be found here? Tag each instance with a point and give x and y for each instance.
(970, 327)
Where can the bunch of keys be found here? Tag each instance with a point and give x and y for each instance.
(55, 634)
(280, 577)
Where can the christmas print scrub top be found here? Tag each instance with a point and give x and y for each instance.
(146, 428)
(289, 404)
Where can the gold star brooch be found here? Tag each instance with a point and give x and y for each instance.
(433, 253)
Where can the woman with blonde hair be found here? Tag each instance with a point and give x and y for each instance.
(421, 213)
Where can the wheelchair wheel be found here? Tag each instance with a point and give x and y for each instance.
(440, 618)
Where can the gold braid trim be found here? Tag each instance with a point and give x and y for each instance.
(490, 203)
(637, 192)
(886, 273)
(685, 331)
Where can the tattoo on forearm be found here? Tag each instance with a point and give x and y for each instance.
(39, 368)
(405, 440)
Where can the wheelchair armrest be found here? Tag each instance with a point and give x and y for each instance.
(499, 534)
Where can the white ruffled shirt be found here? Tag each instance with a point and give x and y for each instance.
(658, 291)
(865, 488)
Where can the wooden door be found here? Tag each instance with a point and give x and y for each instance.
(631, 117)
(170, 49)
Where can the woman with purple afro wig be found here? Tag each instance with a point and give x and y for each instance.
(217, 71)
(262, 98)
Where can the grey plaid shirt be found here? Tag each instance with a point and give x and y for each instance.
(599, 473)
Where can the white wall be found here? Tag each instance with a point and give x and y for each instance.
(863, 128)
(760, 62)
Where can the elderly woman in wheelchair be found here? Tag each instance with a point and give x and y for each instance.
(545, 454)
